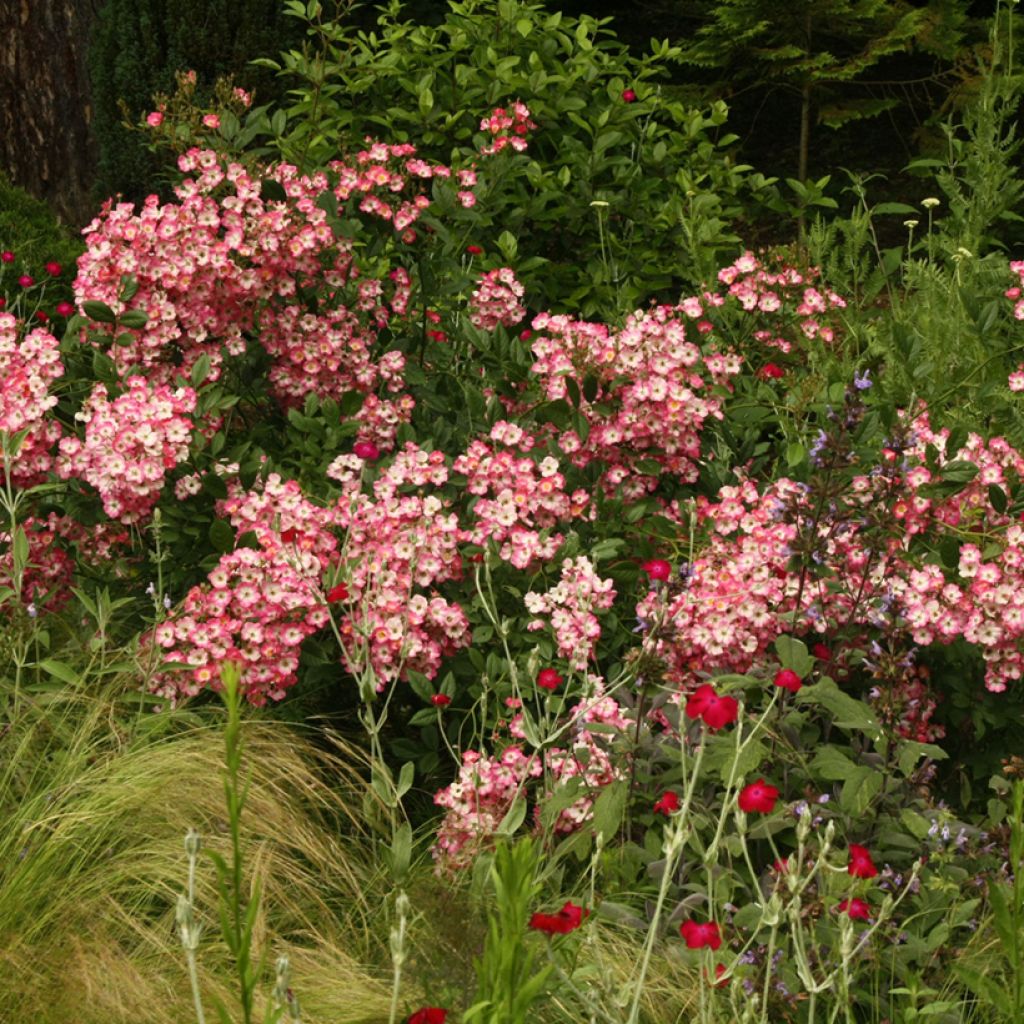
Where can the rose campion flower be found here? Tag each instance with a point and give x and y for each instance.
(53, 268)
(366, 450)
(568, 919)
(6, 256)
(759, 797)
(628, 96)
(65, 309)
(667, 803)
(336, 593)
(429, 1015)
(657, 569)
(771, 371)
(26, 280)
(861, 865)
(549, 679)
(787, 679)
(440, 700)
(698, 936)
(857, 909)
(716, 712)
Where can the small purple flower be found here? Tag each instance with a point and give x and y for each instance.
(862, 383)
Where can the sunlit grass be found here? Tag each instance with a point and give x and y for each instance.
(93, 811)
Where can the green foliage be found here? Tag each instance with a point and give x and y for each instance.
(510, 980)
(29, 229)
(135, 49)
(615, 201)
(818, 48)
(96, 793)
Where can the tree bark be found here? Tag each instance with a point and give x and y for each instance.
(45, 143)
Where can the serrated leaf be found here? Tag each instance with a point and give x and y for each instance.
(222, 536)
(134, 319)
(272, 190)
(98, 311)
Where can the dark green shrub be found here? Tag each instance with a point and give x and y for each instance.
(137, 46)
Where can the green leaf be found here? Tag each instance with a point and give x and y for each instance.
(609, 808)
(847, 712)
(997, 498)
(860, 788)
(998, 894)
(985, 989)
(508, 245)
(272, 190)
(831, 763)
(222, 536)
(401, 850)
(514, 818)
(524, 26)
(911, 752)
(406, 775)
(134, 319)
(200, 370)
(895, 208)
(60, 670)
(793, 655)
(98, 311)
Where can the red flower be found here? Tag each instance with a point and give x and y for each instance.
(787, 679)
(3, 301)
(438, 336)
(771, 371)
(857, 909)
(628, 96)
(289, 536)
(861, 864)
(429, 1015)
(667, 803)
(7, 256)
(337, 593)
(821, 652)
(366, 450)
(717, 712)
(41, 316)
(65, 309)
(758, 797)
(657, 569)
(53, 269)
(26, 280)
(474, 250)
(568, 919)
(525, 335)
(781, 865)
(698, 936)
(549, 679)
(719, 971)
(440, 700)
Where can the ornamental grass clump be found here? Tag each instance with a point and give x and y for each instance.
(95, 803)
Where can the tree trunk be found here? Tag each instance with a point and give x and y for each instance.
(45, 143)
